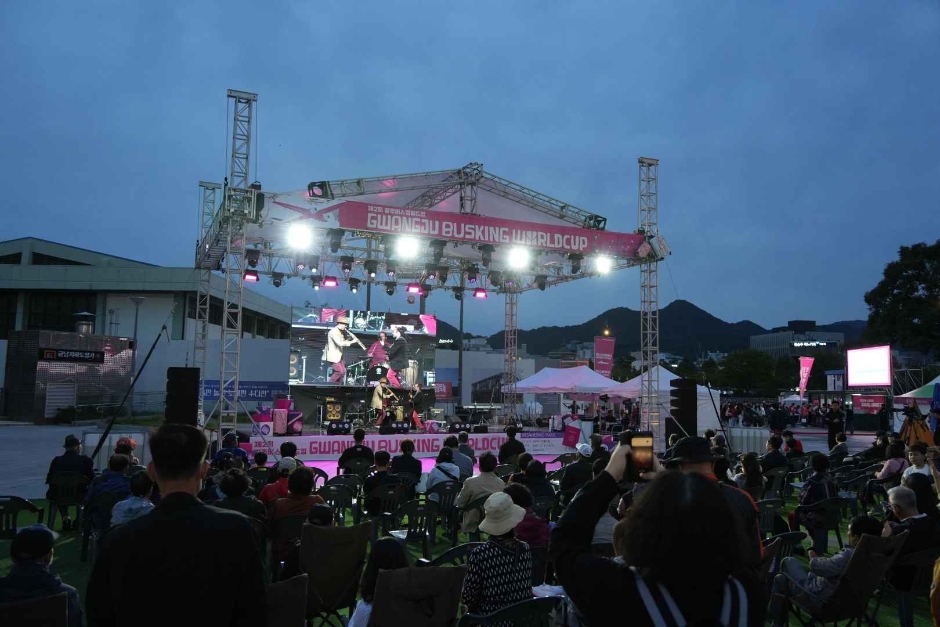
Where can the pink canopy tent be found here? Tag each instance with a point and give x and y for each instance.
(565, 380)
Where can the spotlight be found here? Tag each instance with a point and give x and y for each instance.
(486, 250)
(479, 293)
(438, 247)
(518, 258)
(411, 299)
(406, 247)
(309, 262)
(430, 271)
(442, 274)
(315, 282)
(299, 236)
(575, 259)
(354, 285)
(336, 239)
(330, 281)
(252, 256)
(458, 293)
(250, 276)
(472, 274)
(372, 266)
(425, 290)
(413, 288)
(346, 263)
(390, 288)
(540, 281)
(495, 277)
(603, 264)
(277, 278)
(390, 266)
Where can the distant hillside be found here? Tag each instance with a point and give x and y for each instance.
(448, 331)
(853, 330)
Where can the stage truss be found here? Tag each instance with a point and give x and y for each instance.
(239, 223)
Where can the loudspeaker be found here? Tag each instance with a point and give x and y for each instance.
(182, 396)
(334, 410)
(339, 427)
(457, 427)
(386, 429)
(481, 429)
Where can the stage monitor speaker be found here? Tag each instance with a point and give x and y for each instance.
(182, 395)
(481, 429)
(457, 427)
(386, 430)
(339, 427)
(334, 410)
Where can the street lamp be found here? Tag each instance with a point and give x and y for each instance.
(138, 301)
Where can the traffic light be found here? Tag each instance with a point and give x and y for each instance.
(683, 407)
(182, 395)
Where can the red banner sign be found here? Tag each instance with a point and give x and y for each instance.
(867, 403)
(443, 389)
(604, 354)
(806, 365)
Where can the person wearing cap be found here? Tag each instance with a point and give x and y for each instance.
(511, 447)
(336, 342)
(70, 461)
(200, 563)
(578, 473)
(381, 396)
(358, 450)
(279, 489)
(499, 573)
(32, 552)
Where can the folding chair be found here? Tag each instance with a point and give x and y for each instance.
(287, 602)
(417, 596)
(45, 611)
(10, 508)
(920, 567)
(333, 558)
(285, 533)
(101, 505)
(535, 612)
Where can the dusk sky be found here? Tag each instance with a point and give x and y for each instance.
(799, 142)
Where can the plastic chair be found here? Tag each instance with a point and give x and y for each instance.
(564, 459)
(333, 558)
(455, 556)
(776, 478)
(408, 481)
(535, 612)
(789, 541)
(474, 505)
(318, 474)
(422, 524)
(353, 482)
(832, 521)
(45, 611)
(504, 470)
(417, 596)
(921, 563)
(446, 494)
(259, 479)
(769, 511)
(10, 508)
(770, 562)
(357, 466)
(66, 489)
(544, 506)
(340, 498)
(101, 505)
(287, 602)
(384, 499)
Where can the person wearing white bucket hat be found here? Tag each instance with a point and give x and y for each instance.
(499, 573)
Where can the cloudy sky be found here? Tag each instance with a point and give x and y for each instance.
(799, 142)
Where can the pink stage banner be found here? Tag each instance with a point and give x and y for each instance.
(806, 365)
(572, 435)
(867, 403)
(604, 354)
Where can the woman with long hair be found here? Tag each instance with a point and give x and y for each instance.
(386, 554)
(750, 475)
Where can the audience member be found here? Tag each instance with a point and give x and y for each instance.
(70, 461)
(926, 497)
(463, 462)
(499, 573)
(477, 487)
(519, 477)
(922, 534)
(818, 487)
(876, 452)
(751, 475)
(720, 448)
(511, 447)
(183, 553)
(463, 438)
(604, 529)
(917, 456)
(406, 461)
(127, 446)
(773, 458)
(531, 529)
(598, 450)
(112, 481)
(279, 489)
(681, 518)
(722, 470)
(358, 450)
(813, 586)
(444, 470)
(536, 480)
(261, 460)
(320, 515)
(840, 450)
(287, 449)
(212, 491)
(300, 497)
(230, 445)
(235, 485)
(138, 503)
(792, 447)
(578, 473)
(380, 474)
(386, 554)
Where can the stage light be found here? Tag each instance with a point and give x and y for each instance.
(252, 256)
(430, 271)
(458, 293)
(518, 258)
(479, 293)
(390, 267)
(406, 247)
(575, 259)
(336, 239)
(346, 263)
(277, 278)
(495, 277)
(438, 247)
(414, 288)
(411, 299)
(315, 282)
(390, 288)
(472, 272)
(442, 274)
(250, 276)
(309, 262)
(486, 250)
(354, 285)
(540, 281)
(330, 281)
(372, 266)
(299, 236)
(603, 264)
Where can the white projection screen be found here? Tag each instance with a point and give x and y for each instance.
(869, 367)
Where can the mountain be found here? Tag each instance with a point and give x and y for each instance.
(853, 330)
(447, 331)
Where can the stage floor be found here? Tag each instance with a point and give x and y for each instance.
(427, 463)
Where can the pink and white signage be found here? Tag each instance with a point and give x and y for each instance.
(806, 365)
(355, 215)
(443, 389)
(604, 354)
(867, 403)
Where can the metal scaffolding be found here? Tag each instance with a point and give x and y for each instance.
(208, 204)
(511, 354)
(648, 214)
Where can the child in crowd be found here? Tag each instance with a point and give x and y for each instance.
(138, 503)
(917, 455)
(792, 447)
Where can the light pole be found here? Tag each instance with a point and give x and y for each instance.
(138, 301)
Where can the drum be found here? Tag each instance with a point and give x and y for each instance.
(409, 376)
(376, 373)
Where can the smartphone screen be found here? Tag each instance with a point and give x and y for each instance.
(642, 451)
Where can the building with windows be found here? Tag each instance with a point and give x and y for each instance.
(799, 337)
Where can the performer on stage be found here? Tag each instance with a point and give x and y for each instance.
(380, 398)
(419, 399)
(378, 355)
(397, 356)
(337, 340)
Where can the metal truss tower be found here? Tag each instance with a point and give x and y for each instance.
(511, 352)
(208, 205)
(648, 214)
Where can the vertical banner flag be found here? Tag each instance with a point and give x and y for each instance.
(604, 354)
(806, 364)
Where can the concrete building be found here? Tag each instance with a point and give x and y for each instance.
(797, 338)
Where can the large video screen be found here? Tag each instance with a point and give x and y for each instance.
(364, 366)
(869, 367)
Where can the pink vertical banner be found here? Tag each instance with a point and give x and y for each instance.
(604, 354)
(571, 437)
(806, 365)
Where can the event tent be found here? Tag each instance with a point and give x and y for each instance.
(564, 380)
(924, 391)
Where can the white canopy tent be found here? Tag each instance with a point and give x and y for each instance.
(580, 380)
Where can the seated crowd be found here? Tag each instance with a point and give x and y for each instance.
(195, 532)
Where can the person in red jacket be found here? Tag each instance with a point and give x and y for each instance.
(532, 530)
